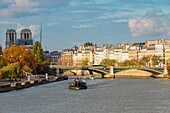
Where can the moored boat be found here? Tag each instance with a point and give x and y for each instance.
(89, 77)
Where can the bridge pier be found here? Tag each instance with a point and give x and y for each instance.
(102, 75)
(112, 74)
(57, 71)
(46, 76)
(165, 71)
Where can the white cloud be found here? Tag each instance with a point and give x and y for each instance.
(34, 29)
(83, 26)
(79, 11)
(153, 23)
(20, 7)
(5, 22)
(107, 16)
(5, 1)
(118, 15)
(25, 3)
(53, 24)
(19, 27)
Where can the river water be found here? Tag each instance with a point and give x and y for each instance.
(120, 95)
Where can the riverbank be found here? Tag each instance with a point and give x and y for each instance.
(6, 85)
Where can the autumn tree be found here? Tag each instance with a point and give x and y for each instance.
(29, 61)
(1, 50)
(85, 62)
(108, 62)
(17, 58)
(144, 60)
(156, 60)
(1, 58)
(13, 54)
(168, 67)
(126, 63)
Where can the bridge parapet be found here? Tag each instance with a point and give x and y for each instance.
(106, 71)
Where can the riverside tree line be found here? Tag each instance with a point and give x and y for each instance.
(17, 61)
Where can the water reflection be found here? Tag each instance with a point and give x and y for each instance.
(146, 95)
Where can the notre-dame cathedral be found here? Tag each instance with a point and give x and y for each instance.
(25, 38)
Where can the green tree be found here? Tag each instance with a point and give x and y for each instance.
(86, 44)
(34, 50)
(38, 52)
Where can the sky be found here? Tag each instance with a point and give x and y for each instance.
(66, 23)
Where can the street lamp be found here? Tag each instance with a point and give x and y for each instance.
(11, 63)
(1, 61)
(35, 67)
(20, 65)
(11, 59)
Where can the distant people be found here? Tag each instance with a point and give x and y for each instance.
(104, 67)
(76, 81)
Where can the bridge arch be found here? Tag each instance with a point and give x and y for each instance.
(86, 71)
(141, 71)
(134, 72)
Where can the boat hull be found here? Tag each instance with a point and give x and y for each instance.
(76, 88)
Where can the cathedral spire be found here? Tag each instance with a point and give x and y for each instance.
(41, 33)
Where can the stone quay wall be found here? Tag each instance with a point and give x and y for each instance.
(9, 86)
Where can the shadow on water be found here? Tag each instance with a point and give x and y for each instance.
(101, 83)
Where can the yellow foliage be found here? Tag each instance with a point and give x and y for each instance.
(19, 54)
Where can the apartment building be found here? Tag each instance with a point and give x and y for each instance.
(67, 57)
(103, 52)
(122, 52)
(158, 41)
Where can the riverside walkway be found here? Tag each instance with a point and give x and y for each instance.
(6, 85)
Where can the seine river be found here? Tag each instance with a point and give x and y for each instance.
(122, 95)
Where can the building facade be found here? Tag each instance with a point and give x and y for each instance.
(121, 52)
(67, 57)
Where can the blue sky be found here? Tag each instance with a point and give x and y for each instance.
(72, 22)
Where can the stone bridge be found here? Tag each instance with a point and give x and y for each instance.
(85, 71)
(110, 72)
